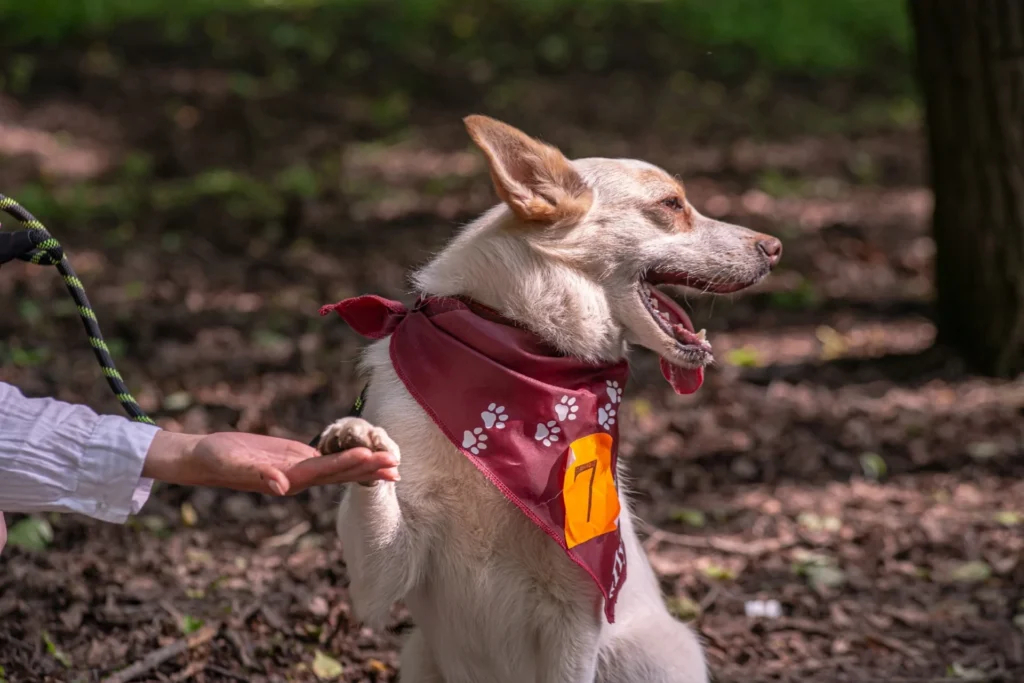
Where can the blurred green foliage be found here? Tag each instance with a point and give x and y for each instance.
(30, 533)
(846, 37)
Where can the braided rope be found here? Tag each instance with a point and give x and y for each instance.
(48, 252)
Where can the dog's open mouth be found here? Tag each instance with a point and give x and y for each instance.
(686, 352)
(672, 319)
(684, 369)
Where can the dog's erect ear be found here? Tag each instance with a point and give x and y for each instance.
(536, 180)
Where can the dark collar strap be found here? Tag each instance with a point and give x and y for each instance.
(355, 411)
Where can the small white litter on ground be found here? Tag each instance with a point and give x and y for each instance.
(770, 609)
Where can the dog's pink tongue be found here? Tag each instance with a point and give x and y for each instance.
(683, 380)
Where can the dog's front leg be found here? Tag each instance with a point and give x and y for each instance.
(374, 537)
(378, 554)
(569, 646)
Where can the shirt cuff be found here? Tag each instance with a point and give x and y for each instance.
(111, 485)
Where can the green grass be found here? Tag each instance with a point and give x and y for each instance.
(819, 38)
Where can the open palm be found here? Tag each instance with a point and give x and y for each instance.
(252, 462)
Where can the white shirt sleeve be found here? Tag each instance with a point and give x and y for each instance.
(60, 457)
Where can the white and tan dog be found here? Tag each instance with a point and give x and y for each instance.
(572, 254)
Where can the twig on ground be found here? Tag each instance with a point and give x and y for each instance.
(335, 621)
(723, 545)
(895, 646)
(242, 618)
(241, 644)
(173, 611)
(993, 677)
(710, 598)
(189, 671)
(158, 657)
(273, 618)
(226, 673)
(287, 538)
(797, 624)
(123, 615)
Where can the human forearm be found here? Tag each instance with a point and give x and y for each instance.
(60, 457)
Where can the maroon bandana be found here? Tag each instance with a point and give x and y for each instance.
(540, 426)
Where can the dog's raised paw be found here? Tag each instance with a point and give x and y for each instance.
(355, 432)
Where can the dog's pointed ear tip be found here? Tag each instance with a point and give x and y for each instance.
(481, 124)
(476, 121)
(483, 128)
(475, 125)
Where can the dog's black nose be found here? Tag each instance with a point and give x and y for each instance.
(772, 248)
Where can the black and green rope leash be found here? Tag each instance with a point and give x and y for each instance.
(36, 245)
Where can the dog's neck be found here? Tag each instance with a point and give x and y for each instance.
(504, 271)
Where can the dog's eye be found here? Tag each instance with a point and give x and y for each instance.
(673, 203)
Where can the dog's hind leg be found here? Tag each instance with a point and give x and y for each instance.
(647, 644)
(416, 663)
(656, 649)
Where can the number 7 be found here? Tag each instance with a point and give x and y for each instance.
(592, 466)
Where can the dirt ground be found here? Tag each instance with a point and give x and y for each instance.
(834, 461)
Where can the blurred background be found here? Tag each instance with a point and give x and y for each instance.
(219, 170)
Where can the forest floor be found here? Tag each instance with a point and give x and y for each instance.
(834, 461)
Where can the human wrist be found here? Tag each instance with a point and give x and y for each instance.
(168, 457)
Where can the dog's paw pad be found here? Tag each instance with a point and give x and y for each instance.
(355, 432)
(346, 433)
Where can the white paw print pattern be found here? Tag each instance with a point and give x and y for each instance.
(606, 416)
(495, 416)
(614, 391)
(474, 440)
(548, 433)
(566, 409)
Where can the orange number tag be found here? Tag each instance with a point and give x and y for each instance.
(591, 500)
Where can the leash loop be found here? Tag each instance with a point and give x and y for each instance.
(36, 245)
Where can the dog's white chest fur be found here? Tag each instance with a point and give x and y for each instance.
(493, 597)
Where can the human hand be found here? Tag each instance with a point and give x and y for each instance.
(252, 462)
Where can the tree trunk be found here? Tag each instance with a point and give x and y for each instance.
(970, 57)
